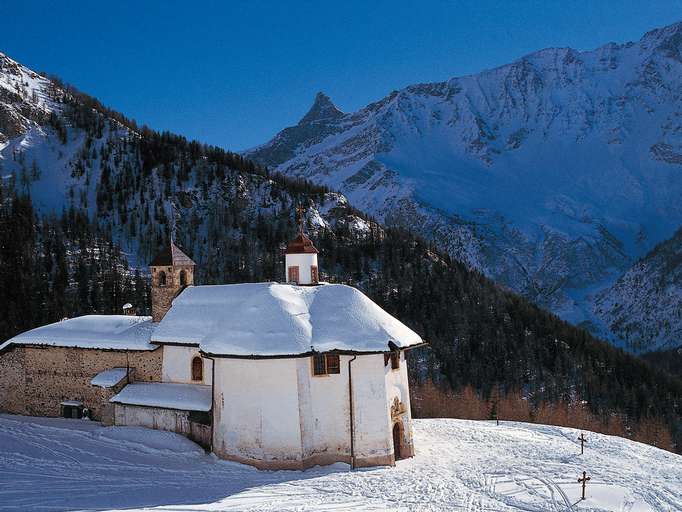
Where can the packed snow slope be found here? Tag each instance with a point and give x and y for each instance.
(552, 174)
(59, 464)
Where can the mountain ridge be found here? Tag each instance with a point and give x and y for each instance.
(552, 174)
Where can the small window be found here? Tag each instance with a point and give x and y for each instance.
(293, 274)
(314, 276)
(394, 358)
(201, 417)
(183, 278)
(197, 369)
(162, 278)
(326, 364)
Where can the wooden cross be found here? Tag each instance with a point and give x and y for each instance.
(582, 443)
(300, 212)
(584, 481)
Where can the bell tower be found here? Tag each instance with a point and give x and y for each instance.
(172, 272)
(300, 257)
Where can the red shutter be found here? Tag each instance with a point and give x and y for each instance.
(314, 278)
(293, 274)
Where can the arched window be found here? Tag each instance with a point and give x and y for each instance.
(162, 278)
(197, 369)
(183, 278)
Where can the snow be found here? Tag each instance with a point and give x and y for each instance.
(268, 319)
(74, 403)
(59, 464)
(184, 397)
(109, 378)
(120, 332)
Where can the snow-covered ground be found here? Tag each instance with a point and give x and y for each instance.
(59, 464)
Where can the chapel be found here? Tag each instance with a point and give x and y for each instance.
(279, 375)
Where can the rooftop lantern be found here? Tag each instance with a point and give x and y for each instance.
(301, 257)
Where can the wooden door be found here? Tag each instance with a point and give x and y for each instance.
(397, 441)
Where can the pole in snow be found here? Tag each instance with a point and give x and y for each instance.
(584, 481)
(582, 443)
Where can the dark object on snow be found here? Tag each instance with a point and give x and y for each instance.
(582, 443)
(584, 481)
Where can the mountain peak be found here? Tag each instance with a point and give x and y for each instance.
(666, 39)
(322, 110)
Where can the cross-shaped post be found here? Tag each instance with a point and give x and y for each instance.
(582, 443)
(584, 481)
(300, 212)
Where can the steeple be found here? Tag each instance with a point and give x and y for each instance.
(301, 256)
(172, 272)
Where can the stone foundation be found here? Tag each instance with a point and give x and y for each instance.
(34, 380)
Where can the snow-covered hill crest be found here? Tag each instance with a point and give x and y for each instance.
(551, 174)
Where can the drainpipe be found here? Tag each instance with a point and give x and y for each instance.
(127, 367)
(350, 401)
(212, 398)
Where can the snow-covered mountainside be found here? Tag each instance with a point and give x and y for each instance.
(58, 465)
(56, 145)
(552, 174)
(645, 304)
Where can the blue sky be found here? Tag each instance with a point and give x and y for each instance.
(235, 73)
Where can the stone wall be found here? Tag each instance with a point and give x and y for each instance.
(163, 294)
(34, 380)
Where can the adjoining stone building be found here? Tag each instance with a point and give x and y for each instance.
(277, 375)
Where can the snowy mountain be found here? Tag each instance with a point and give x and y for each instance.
(552, 174)
(459, 465)
(68, 151)
(644, 306)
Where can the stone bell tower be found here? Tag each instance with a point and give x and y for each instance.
(301, 257)
(172, 272)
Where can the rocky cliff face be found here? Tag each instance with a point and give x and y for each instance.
(552, 174)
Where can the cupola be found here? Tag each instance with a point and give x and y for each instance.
(300, 258)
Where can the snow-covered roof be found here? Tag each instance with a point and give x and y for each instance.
(109, 378)
(270, 319)
(185, 397)
(121, 332)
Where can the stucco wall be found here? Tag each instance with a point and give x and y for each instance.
(303, 262)
(35, 380)
(397, 388)
(275, 414)
(256, 411)
(177, 365)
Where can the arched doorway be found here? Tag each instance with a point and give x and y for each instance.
(397, 440)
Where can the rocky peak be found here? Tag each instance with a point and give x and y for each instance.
(666, 40)
(322, 110)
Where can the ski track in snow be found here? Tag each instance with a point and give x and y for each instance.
(57, 464)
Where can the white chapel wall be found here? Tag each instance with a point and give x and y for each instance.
(372, 432)
(177, 365)
(303, 262)
(256, 410)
